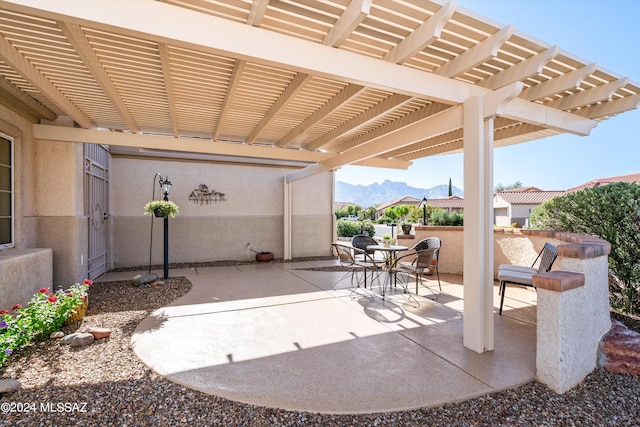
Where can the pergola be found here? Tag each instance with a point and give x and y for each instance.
(321, 84)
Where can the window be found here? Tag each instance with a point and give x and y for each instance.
(6, 192)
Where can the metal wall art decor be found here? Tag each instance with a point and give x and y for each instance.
(202, 195)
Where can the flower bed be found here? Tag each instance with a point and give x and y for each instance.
(45, 313)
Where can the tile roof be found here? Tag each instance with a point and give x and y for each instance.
(528, 197)
(634, 177)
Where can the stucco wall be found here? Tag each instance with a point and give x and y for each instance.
(252, 213)
(23, 269)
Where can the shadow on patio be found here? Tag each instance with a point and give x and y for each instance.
(277, 335)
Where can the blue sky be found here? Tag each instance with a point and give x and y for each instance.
(602, 31)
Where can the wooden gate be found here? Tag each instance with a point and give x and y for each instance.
(96, 192)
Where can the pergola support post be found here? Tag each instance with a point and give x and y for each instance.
(287, 219)
(478, 227)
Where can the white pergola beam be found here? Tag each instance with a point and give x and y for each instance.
(19, 63)
(171, 101)
(590, 96)
(168, 144)
(610, 108)
(339, 99)
(82, 46)
(353, 15)
(181, 27)
(29, 105)
(475, 55)
(234, 81)
(368, 115)
(433, 125)
(527, 68)
(258, 9)
(428, 32)
(285, 97)
(154, 142)
(558, 84)
(541, 115)
(401, 122)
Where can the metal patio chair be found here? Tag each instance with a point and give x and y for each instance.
(523, 276)
(420, 262)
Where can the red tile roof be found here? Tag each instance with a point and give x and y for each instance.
(528, 197)
(634, 177)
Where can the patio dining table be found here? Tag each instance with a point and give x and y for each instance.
(390, 254)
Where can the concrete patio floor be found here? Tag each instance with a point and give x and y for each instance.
(279, 336)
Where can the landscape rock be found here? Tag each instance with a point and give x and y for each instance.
(56, 335)
(620, 350)
(99, 333)
(150, 279)
(81, 339)
(8, 385)
(66, 340)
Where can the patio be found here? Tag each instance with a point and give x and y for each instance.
(278, 335)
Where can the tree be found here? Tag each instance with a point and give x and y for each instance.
(513, 186)
(450, 188)
(611, 212)
(402, 211)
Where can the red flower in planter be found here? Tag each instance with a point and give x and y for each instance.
(52, 298)
(4, 312)
(44, 290)
(88, 282)
(17, 306)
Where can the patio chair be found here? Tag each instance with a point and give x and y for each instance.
(523, 276)
(361, 241)
(419, 264)
(431, 243)
(355, 260)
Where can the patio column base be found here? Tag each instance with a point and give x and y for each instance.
(572, 318)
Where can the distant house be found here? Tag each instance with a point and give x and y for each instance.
(450, 204)
(515, 206)
(634, 177)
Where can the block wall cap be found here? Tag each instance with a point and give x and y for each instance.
(558, 281)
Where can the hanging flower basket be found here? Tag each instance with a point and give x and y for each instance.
(161, 208)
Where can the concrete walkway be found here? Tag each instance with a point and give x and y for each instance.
(276, 335)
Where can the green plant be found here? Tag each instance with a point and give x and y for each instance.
(611, 212)
(351, 228)
(45, 313)
(386, 237)
(167, 207)
(441, 217)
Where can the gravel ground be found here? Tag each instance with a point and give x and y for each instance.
(106, 385)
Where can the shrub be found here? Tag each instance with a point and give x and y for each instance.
(611, 212)
(442, 217)
(351, 228)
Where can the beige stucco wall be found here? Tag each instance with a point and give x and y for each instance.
(29, 265)
(252, 213)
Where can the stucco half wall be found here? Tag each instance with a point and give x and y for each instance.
(252, 212)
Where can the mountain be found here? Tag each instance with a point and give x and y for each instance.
(373, 194)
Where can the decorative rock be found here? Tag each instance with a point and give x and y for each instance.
(66, 340)
(620, 350)
(151, 279)
(58, 334)
(8, 385)
(82, 339)
(99, 333)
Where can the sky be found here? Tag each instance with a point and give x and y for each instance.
(602, 31)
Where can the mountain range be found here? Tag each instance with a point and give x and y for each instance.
(374, 194)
